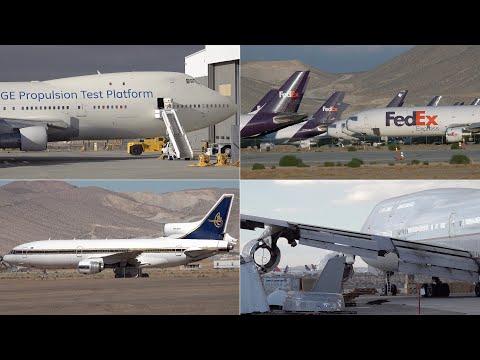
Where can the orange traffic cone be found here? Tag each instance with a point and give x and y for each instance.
(396, 153)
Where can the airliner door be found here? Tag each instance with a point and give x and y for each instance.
(79, 251)
(81, 110)
(451, 225)
(178, 250)
(160, 103)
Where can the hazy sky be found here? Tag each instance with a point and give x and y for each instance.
(329, 58)
(44, 62)
(341, 204)
(159, 186)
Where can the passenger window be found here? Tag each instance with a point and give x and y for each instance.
(78, 107)
(108, 106)
(125, 106)
(63, 107)
(103, 106)
(68, 107)
(23, 108)
(13, 107)
(50, 108)
(116, 106)
(121, 106)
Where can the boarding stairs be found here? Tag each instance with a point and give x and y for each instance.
(176, 134)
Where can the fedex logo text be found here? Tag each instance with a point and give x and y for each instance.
(330, 109)
(288, 94)
(417, 119)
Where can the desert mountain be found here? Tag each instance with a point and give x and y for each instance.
(425, 70)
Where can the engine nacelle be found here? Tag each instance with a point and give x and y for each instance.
(389, 262)
(90, 266)
(456, 134)
(33, 138)
(177, 228)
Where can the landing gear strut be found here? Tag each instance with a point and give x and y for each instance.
(438, 288)
(128, 272)
(389, 289)
(477, 289)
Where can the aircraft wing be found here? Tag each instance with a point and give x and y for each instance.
(473, 127)
(129, 257)
(285, 118)
(197, 252)
(8, 124)
(414, 257)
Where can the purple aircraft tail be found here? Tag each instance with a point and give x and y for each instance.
(286, 269)
(314, 267)
(268, 96)
(289, 96)
(328, 112)
(398, 100)
(307, 268)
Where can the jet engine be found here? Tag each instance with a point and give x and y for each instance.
(90, 266)
(457, 134)
(33, 138)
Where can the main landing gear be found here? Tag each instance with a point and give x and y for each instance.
(439, 289)
(389, 288)
(129, 272)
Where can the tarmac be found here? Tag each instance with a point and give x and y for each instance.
(455, 304)
(134, 296)
(381, 157)
(114, 164)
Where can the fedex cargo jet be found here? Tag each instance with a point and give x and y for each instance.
(279, 110)
(454, 122)
(103, 106)
(337, 129)
(183, 243)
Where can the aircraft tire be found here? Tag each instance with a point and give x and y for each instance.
(477, 289)
(393, 289)
(424, 287)
(444, 290)
(431, 291)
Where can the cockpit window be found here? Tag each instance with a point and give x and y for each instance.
(333, 126)
(343, 125)
(191, 81)
(353, 118)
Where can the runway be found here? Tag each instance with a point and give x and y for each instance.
(381, 156)
(145, 296)
(104, 165)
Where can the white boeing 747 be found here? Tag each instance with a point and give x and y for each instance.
(183, 243)
(103, 106)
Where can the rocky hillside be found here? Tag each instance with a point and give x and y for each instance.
(426, 71)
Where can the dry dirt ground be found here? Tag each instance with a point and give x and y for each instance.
(166, 292)
(379, 172)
